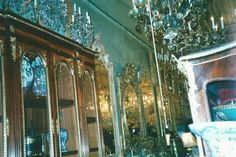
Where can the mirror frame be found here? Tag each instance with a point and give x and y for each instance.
(130, 76)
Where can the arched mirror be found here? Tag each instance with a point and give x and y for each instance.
(131, 112)
(130, 108)
(67, 111)
(91, 117)
(149, 106)
(106, 109)
(37, 134)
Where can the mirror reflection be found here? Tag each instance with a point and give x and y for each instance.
(103, 90)
(149, 109)
(67, 111)
(91, 115)
(132, 111)
(36, 109)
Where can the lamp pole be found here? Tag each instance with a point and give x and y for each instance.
(158, 71)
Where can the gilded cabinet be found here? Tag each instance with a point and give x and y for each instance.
(47, 93)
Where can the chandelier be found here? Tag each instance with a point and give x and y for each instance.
(53, 14)
(180, 25)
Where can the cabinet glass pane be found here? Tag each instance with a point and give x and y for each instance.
(69, 139)
(90, 112)
(1, 115)
(36, 110)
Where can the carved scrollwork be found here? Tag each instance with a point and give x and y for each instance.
(80, 71)
(13, 48)
(76, 55)
(128, 77)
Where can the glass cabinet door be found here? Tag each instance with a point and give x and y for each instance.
(2, 108)
(67, 112)
(91, 116)
(37, 141)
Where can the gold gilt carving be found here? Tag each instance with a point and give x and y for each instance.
(72, 68)
(13, 48)
(76, 55)
(53, 59)
(20, 51)
(128, 77)
(78, 62)
(12, 29)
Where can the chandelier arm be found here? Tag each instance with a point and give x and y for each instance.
(169, 7)
(158, 71)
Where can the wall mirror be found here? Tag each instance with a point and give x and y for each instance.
(149, 105)
(106, 109)
(67, 111)
(37, 141)
(131, 121)
(91, 116)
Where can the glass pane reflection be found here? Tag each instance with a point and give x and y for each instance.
(36, 111)
(91, 116)
(1, 114)
(69, 139)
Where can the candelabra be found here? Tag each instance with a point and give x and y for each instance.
(180, 24)
(81, 28)
(53, 14)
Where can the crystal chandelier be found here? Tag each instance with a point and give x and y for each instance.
(180, 25)
(53, 14)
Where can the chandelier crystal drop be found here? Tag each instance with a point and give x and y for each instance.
(53, 14)
(180, 24)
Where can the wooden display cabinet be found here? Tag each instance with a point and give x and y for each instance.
(43, 106)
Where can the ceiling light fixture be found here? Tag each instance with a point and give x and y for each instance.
(180, 25)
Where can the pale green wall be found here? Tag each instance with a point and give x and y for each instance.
(121, 45)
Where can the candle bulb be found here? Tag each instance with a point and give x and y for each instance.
(74, 7)
(35, 3)
(133, 4)
(216, 27)
(189, 26)
(212, 22)
(72, 18)
(89, 20)
(222, 22)
(79, 11)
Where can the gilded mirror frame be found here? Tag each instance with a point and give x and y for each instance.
(104, 59)
(130, 76)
